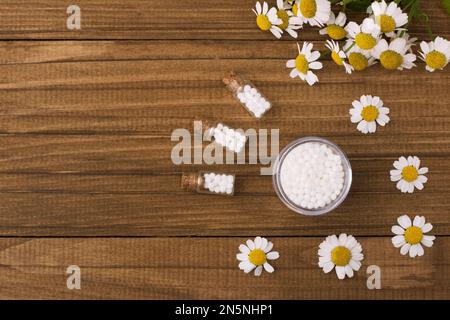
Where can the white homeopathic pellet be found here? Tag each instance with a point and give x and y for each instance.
(252, 99)
(219, 183)
(232, 139)
(312, 175)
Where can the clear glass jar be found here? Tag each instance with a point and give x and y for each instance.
(208, 182)
(232, 139)
(277, 184)
(247, 94)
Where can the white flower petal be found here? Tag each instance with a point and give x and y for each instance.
(273, 255)
(404, 221)
(427, 227)
(397, 230)
(268, 267)
(258, 271)
(405, 248)
(244, 249)
(340, 272)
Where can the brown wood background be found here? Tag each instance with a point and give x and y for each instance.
(86, 176)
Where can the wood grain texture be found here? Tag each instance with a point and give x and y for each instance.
(85, 141)
(206, 268)
(153, 19)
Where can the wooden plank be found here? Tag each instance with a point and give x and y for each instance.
(148, 154)
(175, 214)
(26, 52)
(368, 177)
(138, 19)
(154, 97)
(189, 268)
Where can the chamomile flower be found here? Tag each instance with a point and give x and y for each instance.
(343, 253)
(268, 19)
(410, 236)
(290, 23)
(436, 54)
(366, 35)
(304, 63)
(335, 26)
(367, 112)
(338, 55)
(314, 12)
(410, 41)
(389, 17)
(254, 255)
(394, 55)
(409, 174)
(357, 58)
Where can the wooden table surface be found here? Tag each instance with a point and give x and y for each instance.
(86, 177)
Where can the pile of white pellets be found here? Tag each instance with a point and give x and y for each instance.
(232, 139)
(312, 175)
(252, 99)
(219, 183)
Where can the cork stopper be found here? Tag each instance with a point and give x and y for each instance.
(189, 181)
(233, 81)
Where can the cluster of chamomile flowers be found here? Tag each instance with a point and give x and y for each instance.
(381, 37)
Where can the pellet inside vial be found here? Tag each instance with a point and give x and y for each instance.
(252, 99)
(219, 183)
(312, 175)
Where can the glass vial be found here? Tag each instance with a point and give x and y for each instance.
(209, 183)
(247, 94)
(233, 140)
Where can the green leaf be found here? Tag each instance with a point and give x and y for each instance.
(446, 4)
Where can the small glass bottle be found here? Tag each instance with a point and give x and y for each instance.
(232, 139)
(209, 182)
(247, 94)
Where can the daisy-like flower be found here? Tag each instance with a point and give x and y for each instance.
(436, 54)
(254, 255)
(314, 12)
(268, 19)
(389, 17)
(338, 55)
(357, 58)
(366, 35)
(410, 41)
(290, 23)
(304, 63)
(335, 26)
(394, 55)
(343, 253)
(367, 112)
(410, 235)
(409, 174)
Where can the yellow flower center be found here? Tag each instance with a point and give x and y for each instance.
(341, 256)
(435, 59)
(336, 32)
(263, 22)
(413, 235)
(365, 41)
(257, 257)
(295, 9)
(391, 60)
(358, 61)
(387, 23)
(282, 14)
(336, 58)
(410, 173)
(301, 63)
(308, 8)
(369, 113)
